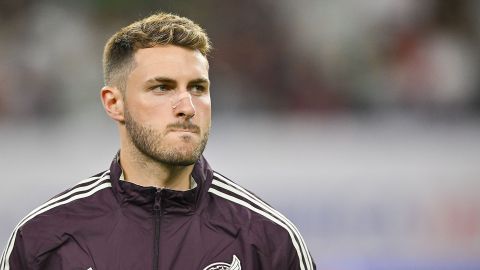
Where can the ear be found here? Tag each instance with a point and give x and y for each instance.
(112, 100)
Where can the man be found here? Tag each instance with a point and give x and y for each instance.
(160, 205)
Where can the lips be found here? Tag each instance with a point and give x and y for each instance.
(183, 127)
(184, 130)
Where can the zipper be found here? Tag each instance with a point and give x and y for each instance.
(157, 213)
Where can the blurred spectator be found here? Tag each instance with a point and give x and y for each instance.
(433, 64)
(269, 56)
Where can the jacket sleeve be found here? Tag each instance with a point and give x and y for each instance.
(14, 256)
(281, 247)
(291, 253)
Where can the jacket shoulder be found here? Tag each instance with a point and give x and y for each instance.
(33, 234)
(65, 202)
(271, 230)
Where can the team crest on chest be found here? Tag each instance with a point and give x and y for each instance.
(234, 265)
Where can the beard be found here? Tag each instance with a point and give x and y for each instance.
(152, 143)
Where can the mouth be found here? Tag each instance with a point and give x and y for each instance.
(184, 128)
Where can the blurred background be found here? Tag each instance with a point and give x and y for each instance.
(358, 119)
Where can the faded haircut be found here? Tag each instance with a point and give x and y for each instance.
(158, 29)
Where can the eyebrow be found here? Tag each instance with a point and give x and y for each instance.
(199, 81)
(160, 80)
(172, 81)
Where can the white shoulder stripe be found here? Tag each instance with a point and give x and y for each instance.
(39, 210)
(9, 248)
(92, 178)
(248, 195)
(104, 176)
(267, 215)
(55, 202)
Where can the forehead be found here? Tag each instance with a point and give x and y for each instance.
(170, 61)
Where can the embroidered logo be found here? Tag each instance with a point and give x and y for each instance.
(235, 265)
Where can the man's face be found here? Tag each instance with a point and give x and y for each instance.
(167, 104)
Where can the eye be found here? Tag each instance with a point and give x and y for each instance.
(160, 88)
(198, 89)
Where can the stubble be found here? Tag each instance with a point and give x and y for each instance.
(152, 143)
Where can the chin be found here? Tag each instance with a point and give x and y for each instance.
(182, 158)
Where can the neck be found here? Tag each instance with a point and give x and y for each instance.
(144, 171)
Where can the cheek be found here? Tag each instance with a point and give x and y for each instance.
(149, 113)
(203, 107)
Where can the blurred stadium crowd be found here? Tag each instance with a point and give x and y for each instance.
(396, 189)
(270, 56)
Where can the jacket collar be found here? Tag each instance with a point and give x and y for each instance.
(172, 201)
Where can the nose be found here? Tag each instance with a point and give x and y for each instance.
(183, 106)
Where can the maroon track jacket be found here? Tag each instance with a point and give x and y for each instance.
(105, 223)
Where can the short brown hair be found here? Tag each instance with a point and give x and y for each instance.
(158, 29)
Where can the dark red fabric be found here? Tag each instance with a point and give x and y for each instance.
(128, 227)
